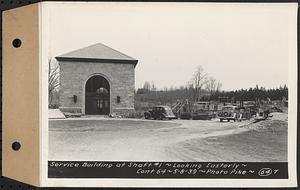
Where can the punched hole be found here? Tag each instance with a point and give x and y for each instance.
(17, 43)
(16, 146)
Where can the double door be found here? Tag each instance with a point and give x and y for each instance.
(97, 104)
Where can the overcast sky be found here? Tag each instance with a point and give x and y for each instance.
(240, 45)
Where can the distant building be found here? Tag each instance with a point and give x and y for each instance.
(96, 80)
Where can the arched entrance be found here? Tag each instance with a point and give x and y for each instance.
(97, 92)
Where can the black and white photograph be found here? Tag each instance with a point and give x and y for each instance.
(149, 94)
(170, 82)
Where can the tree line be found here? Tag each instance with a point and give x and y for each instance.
(200, 84)
(252, 94)
(203, 87)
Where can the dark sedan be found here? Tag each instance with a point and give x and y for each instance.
(160, 112)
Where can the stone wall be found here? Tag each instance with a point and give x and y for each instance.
(73, 76)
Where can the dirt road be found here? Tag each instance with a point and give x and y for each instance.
(177, 140)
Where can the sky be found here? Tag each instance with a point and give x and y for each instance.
(240, 45)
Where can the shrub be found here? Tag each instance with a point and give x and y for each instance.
(133, 114)
(53, 106)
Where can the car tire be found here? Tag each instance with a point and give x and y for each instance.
(147, 115)
(221, 120)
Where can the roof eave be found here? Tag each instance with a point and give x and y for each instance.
(97, 60)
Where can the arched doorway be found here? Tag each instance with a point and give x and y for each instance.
(97, 96)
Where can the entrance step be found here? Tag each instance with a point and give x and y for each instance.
(94, 116)
(55, 114)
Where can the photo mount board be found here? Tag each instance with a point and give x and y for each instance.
(27, 67)
(21, 112)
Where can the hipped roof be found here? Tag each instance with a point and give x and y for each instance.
(99, 53)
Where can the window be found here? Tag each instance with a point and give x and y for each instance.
(101, 91)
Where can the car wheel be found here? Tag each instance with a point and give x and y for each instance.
(147, 115)
(221, 120)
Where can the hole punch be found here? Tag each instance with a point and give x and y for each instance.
(16, 146)
(17, 43)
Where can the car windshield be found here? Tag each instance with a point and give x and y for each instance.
(168, 109)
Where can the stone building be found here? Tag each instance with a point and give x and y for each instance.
(96, 80)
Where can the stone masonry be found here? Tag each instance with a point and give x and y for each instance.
(75, 73)
(73, 77)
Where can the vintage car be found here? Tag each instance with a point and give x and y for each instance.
(228, 113)
(160, 112)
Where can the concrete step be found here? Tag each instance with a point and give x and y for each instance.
(55, 114)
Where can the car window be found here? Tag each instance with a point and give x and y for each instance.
(168, 109)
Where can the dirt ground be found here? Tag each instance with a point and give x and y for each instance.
(106, 139)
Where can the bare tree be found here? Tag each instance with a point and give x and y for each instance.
(53, 79)
(153, 86)
(211, 85)
(199, 79)
(147, 86)
(219, 86)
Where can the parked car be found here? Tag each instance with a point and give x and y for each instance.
(160, 112)
(228, 113)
